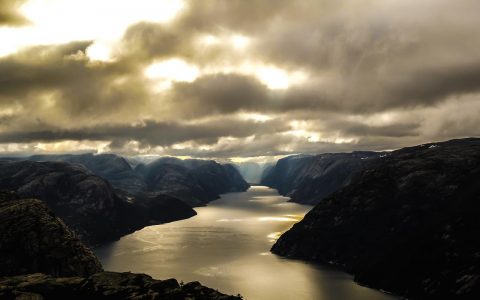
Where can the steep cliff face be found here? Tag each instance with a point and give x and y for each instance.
(252, 171)
(287, 173)
(33, 240)
(236, 182)
(194, 181)
(87, 203)
(407, 223)
(309, 179)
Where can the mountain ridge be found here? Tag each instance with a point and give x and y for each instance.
(406, 223)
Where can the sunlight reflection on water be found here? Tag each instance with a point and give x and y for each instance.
(226, 247)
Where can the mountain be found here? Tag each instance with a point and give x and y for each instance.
(307, 179)
(87, 203)
(252, 171)
(407, 223)
(34, 240)
(114, 168)
(102, 198)
(194, 181)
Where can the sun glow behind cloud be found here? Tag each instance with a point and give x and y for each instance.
(60, 21)
(210, 80)
(167, 71)
(176, 69)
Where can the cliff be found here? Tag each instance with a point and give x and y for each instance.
(87, 203)
(408, 223)
(196, 182)
(308, 179)
(34, 240)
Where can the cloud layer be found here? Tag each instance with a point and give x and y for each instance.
(9, 14)
(267, 78)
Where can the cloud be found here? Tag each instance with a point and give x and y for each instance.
(376, 74)
(9, 14)
(219, 93)
(149, 133)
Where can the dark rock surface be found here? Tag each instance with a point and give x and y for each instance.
(111, 167)
(87, 203)
(194, 181)
(33, 239)
(308, 179)
(408, 223)
(104, 285)
(102, 198)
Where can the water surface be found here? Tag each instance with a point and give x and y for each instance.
(226, 247)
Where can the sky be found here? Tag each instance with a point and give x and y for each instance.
(236, 79)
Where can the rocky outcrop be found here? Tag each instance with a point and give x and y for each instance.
(33, 240)
(194, 181)
(87, 203)
(308, 179)
(104, 285)
(408, 223)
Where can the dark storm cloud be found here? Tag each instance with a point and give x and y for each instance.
(352, 128)
(364, 56)
(219, 93)
(364, 61)
(377, 55)
(9, 14)
(41, 67)
(78, 88)
(150, 133)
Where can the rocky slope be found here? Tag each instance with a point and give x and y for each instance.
(194, 181)
(104, 285)
(33, 240)
(407, 223)
(111, 167)
(308, 179)
(87, 203)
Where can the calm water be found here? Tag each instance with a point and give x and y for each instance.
(226, 247)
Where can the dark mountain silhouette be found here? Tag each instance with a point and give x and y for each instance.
(87, 203)
(307, 179)
(34, 240)
(407, 223)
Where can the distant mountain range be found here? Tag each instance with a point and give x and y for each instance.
(404, 221)
(101, 197)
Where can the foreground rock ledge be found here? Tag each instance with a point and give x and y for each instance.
(104, 285)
